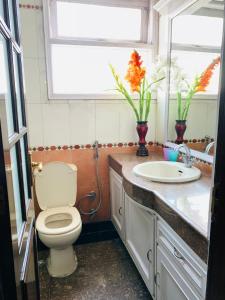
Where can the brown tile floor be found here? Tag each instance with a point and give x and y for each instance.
(105, 272)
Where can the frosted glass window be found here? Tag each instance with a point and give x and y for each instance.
(94, 21)
(18, 96)
(16, 190)
(11, 17)
(1, 9)
(85, 69)
(5, 91)
(197, 30)
(24, 169)
(194, 63)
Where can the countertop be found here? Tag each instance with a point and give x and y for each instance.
(190, 201)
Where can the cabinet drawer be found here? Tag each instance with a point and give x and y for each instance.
(191, 266)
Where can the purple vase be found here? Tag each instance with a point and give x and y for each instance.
(180, 128)
(142, 129)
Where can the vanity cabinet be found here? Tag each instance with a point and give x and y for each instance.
(117, 203)
(170, 283)
(180, 273)
(140, 227)
(169, 267)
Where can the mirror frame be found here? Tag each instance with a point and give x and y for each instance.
(194, 153)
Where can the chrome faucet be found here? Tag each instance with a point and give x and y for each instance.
(209, 146)
(187, 157)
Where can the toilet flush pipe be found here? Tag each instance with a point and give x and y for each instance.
(99, 185)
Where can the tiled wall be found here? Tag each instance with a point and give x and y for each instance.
(63, 122)
(201, 119)
(86, 176)
(69, 123)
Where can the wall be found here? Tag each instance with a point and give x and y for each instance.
(201, 119)
(65, 130)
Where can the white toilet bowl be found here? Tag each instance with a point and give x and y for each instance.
(59, 224)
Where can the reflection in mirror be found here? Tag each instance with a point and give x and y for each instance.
(196, 39)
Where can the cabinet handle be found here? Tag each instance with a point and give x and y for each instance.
(177, 254)
(157, 279)
(120, 210)
(148, 255)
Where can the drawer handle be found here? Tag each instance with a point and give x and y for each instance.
(177, 254)
(157, 279)
(120, 210)
(148, 255)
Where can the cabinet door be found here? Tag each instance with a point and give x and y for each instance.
(117, 202)
(169, 281)
(139, 225)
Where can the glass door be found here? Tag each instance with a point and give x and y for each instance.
(17, 231)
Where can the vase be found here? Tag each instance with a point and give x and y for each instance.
(142, 129)
(180, 128)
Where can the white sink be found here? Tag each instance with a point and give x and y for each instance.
(166, 171)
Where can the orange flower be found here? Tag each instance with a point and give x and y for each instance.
(206, 76)
(135, 72)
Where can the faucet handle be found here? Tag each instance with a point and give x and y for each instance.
(189, 161)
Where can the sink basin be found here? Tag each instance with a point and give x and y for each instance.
(165, 171)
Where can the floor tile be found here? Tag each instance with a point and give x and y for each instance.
(105, 272)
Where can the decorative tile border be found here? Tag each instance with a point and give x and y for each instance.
(105, 145)
(195, 141)
(89, 146)
(30, 6)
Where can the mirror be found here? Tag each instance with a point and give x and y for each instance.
(196, 38)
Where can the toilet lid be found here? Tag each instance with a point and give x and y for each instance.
(56, 185)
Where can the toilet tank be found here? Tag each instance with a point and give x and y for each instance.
(56, 185)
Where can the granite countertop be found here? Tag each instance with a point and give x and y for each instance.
(189, 201)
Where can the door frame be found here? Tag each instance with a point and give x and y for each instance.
(216, 260)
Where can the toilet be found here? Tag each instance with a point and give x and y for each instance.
(59, 224)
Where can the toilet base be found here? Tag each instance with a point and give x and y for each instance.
(62, 263)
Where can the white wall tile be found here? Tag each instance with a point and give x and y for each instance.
(29, 32)
(32, 80)
(43, 80)
(40, 34)
(69, 122)
(151, 135)
(82, 123)
(107, 123)
(56, 124)
(211, 126)
(127, 128)
(35, 124)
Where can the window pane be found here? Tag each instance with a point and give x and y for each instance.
(194, 63)
(17, 86)
(1, 9)
(5, 91)
(11, 17)
(197, 30)
(24, 169)
(94, 21)
(16, 189)
(85, 69)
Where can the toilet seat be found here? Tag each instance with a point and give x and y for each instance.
(41, 222)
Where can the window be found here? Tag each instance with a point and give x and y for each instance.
(83, 37)
(196, 41)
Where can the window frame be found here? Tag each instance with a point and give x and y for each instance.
(195, 48)
(148, 40)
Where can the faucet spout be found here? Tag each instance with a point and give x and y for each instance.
(187, 158)
(209, 146)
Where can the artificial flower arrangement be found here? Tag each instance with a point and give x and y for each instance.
(136, 77)
(199, 84)
(139, 84)
(186, 91)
